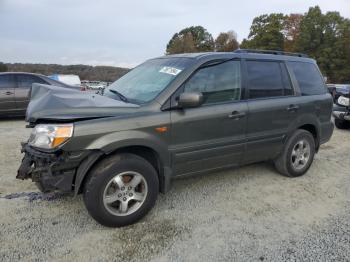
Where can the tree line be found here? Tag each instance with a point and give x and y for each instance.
(324, 37)
(85, 72)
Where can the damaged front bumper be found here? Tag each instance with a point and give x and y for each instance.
(50, 171)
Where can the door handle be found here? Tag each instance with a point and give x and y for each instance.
(8, 93)
(292, 108)
(235, 115)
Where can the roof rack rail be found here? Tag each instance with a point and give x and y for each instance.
(271, 52)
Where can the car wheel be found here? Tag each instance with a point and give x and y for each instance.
(120, 190)
(341, 124)
(297, 155)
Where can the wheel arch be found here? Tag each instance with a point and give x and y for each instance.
(148, 153)
(313, 130)
(309, 123)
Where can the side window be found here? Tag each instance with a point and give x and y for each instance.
(218, 83)
(265, 79)
(7, 81)
(26, 81)
(309, 78)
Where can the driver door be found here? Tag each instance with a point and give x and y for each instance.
(212, 135)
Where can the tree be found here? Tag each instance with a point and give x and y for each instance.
(3, 67)
(326, 38)
(184, 44)
(191, 39)
(85, 72)
(311, 32)
(335, 54)
(291, 31)
(266, 32)
(226, 42)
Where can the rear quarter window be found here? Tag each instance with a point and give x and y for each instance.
(308, 77)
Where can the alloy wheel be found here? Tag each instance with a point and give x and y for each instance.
(125, 193)
(300, 154)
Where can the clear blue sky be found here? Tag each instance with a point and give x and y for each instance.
(124, 33)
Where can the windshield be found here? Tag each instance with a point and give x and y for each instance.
(146, 81)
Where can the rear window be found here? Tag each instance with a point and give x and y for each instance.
(308, 77)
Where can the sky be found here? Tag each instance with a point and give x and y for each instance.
(124, 33)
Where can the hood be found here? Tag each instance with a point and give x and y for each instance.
(55, 103)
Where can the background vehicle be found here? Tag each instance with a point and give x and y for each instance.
(73, 80)
(173, 116)
(341, 108)
(15, 88)
(337, 90)
(96, 85)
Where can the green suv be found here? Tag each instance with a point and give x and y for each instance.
(172, 116)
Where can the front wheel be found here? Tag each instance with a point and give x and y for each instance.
(120, 190)
(297, 155)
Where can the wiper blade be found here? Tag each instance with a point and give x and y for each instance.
(123, 98)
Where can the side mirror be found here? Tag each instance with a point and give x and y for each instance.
(187, 100)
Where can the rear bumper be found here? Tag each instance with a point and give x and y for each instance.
(50, 171)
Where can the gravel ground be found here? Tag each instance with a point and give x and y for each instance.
(246, 214)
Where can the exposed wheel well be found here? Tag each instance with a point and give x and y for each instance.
(312, 129)
(145, 152)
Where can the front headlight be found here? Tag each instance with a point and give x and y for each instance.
(50, 136)
(344, 101)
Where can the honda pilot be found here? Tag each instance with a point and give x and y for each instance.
(173, 116)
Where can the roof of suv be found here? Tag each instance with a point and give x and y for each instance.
(243, 53)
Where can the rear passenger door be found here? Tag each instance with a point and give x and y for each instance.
(24, 84)
(7, 93)
(272, 105)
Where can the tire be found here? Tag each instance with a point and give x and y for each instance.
(341, 124)
(114, 205)
(294, 163)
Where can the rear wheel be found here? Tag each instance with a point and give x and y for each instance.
(341, 124)
(120, 190)
(298, 154)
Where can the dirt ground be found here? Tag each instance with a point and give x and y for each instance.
(245, 214)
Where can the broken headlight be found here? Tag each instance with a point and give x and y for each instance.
(50, 136)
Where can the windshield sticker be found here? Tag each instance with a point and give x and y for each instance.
(170, 70)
